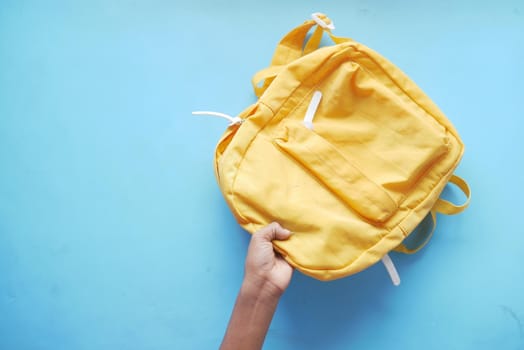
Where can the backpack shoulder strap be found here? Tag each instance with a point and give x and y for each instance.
(427, 232)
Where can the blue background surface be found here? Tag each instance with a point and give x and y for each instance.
(113, 232)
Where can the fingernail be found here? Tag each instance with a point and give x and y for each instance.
(286, 231)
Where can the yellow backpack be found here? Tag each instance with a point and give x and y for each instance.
(341, 148)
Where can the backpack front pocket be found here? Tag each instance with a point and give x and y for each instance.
(380, 128)
(333, 170)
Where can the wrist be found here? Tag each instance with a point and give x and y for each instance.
(255, 306)
(261, 289)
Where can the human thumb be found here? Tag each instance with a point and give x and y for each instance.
(273, 231)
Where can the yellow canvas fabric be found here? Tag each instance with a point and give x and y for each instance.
(353, 187)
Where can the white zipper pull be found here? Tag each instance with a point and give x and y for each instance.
(232, 120)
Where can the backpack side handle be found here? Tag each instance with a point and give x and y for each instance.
(446, 207)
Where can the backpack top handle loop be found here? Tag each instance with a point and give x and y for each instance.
(317, 17)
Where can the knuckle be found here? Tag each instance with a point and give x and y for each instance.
(274, 226)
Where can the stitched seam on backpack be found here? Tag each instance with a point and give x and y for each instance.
(382, 237)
